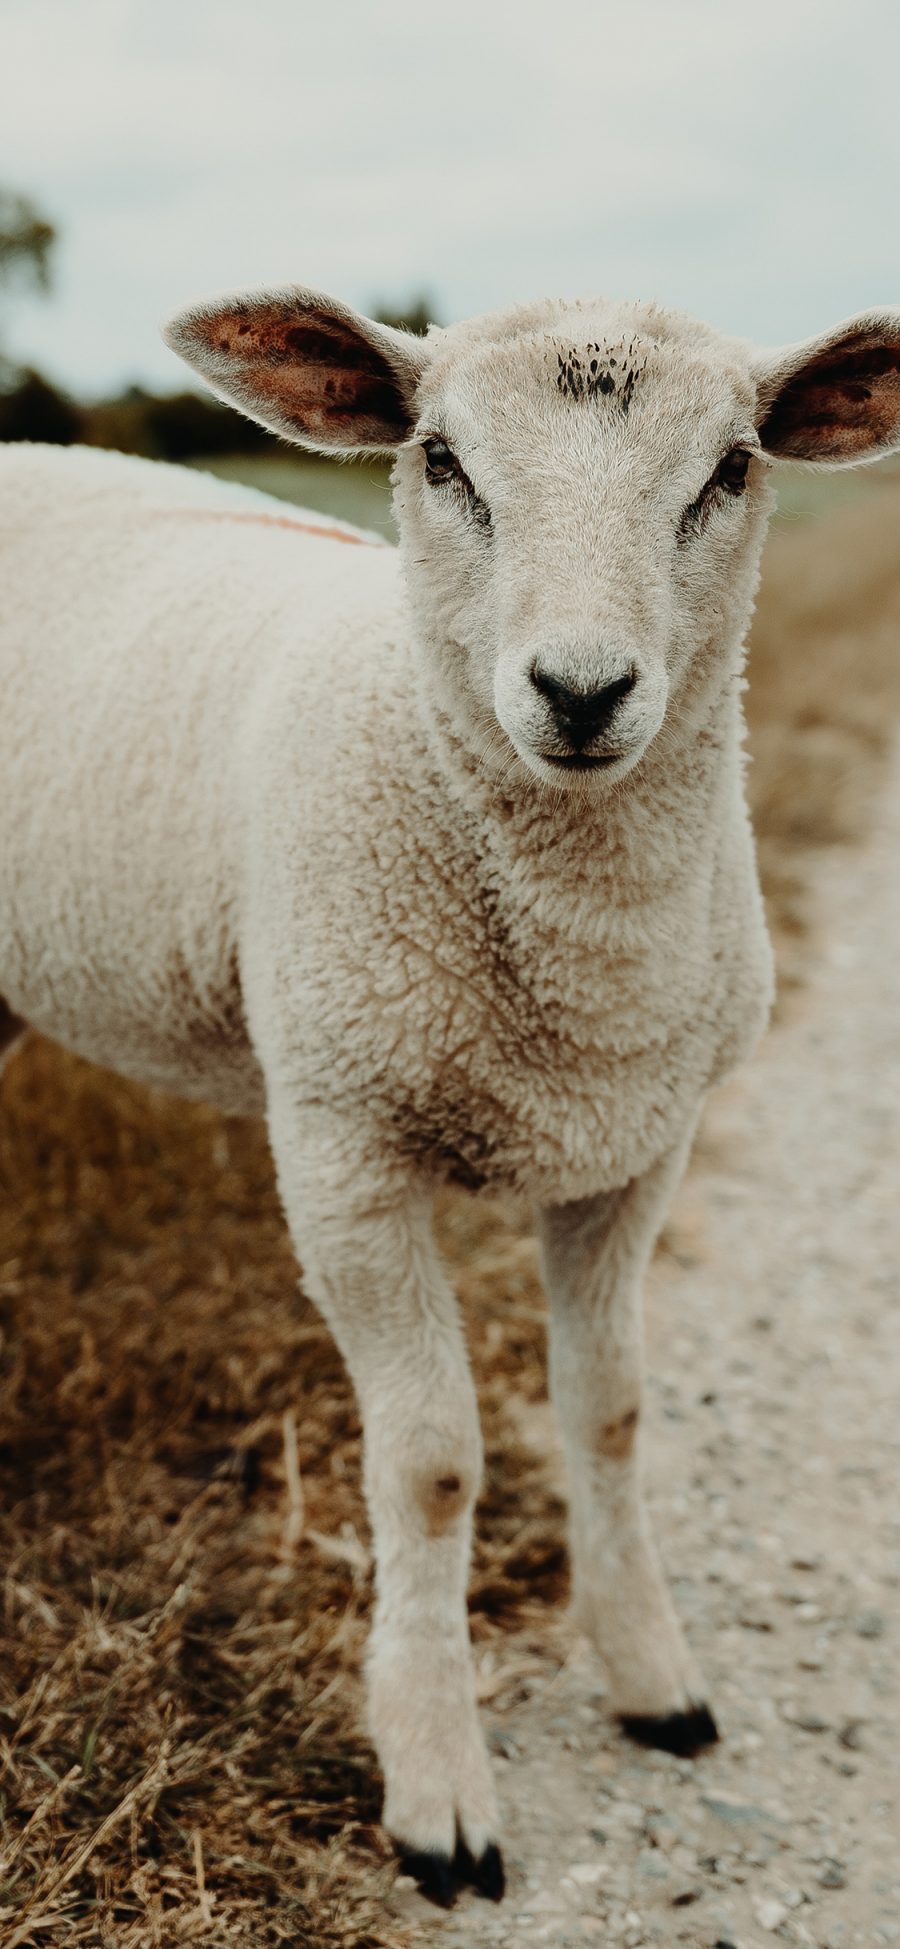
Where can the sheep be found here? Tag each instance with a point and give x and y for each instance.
(438, 856)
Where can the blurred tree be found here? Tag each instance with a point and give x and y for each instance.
(27, 239)
(32, 409)
(176, 426)
(414, 317)
(170, 426)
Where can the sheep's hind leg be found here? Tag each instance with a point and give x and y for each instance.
(595, 1254)
(363, 1233)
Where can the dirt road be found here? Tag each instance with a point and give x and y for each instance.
(774, 1462)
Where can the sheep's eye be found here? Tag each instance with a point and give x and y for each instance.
(730, 476)
(731, 472)
(440, 463)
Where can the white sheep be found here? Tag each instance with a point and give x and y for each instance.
(441, 857)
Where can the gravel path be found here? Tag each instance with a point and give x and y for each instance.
(774, 1461)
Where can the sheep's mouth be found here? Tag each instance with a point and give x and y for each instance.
(582, 761)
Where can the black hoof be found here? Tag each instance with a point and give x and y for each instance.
(434, 1873)
(439, 1878)
(683, 1733)
(486, 1874)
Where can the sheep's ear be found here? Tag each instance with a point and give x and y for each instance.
(306, 366)
(836, 399)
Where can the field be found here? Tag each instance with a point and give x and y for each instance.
(186, 1565)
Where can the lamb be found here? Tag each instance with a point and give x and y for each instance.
(438, 856)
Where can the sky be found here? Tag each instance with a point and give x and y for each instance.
(738, 158)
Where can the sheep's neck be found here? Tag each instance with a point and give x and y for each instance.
(578, 866)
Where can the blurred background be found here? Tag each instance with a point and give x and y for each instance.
(187, 1581)
(740, 163)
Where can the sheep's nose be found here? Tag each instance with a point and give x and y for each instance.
(581, 715)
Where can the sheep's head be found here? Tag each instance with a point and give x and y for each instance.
(582, 492)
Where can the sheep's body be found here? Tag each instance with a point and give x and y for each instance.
(184, 837)
(442, 858)
(131, 697)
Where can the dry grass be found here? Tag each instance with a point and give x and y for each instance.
(824, 695)
(186, 1565)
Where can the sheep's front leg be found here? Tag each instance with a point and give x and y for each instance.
(362, 1229)
(595, 1254)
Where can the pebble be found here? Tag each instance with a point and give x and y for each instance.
(627, 1813)
(736, 1812)
(804, 1719)
(832, 1874)
(503, 1744)
(769, 1913)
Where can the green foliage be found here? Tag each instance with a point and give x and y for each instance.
(33, 409)
(416, 316)
(26, 241)
(170, 426)
(176, 426)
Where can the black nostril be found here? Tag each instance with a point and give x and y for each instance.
(582, 714)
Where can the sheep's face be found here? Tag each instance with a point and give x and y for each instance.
(582, 495)
(581, 511)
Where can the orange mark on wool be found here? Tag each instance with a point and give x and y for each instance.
(616, 1441)
(271, 521)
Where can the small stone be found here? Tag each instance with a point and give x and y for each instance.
(546, 1903)
(870, 1625)
(832, 1874)
(804, 1719)
(685, 1896)
(652, 1864)
(586, 1874)
(503, 1744)
(769, 1913)
(627, 1813)
(850, 1735)
(736, 1812)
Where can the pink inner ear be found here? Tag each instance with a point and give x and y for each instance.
(841, 405)
(314, 374)
(319, 399)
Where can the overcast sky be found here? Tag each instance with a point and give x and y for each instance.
(740, 158)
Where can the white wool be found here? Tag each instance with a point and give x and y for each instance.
(221, 799)
(295, 821)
